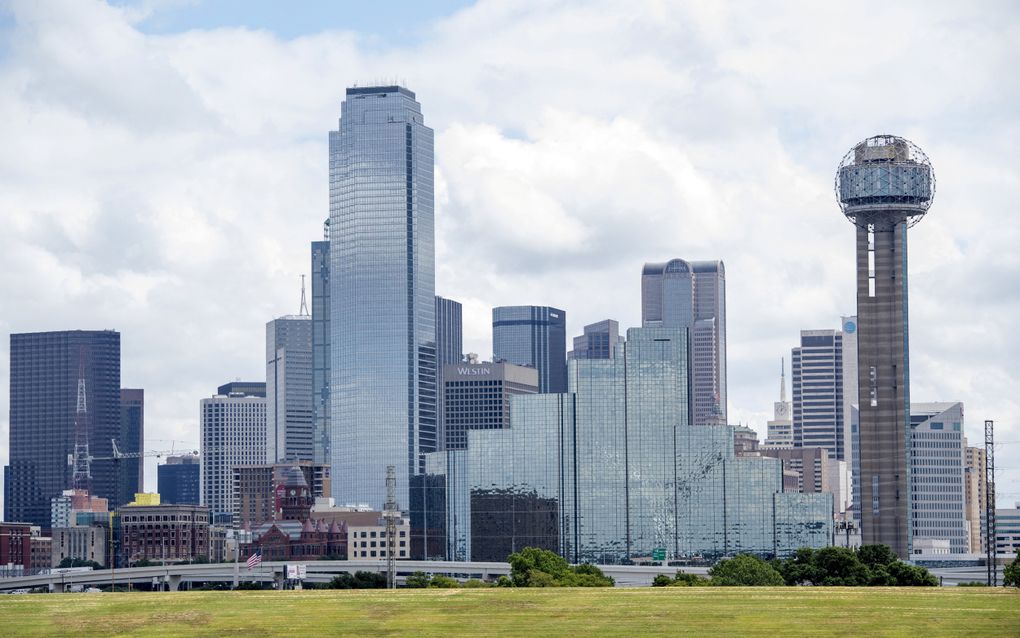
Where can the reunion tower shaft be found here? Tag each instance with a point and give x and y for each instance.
(885, 184)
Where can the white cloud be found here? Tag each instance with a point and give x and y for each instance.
(168, 186)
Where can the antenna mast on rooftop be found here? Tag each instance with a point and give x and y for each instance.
(81, 477)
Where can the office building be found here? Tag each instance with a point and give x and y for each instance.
(255, 489)
(818, 400)
(611, 471)
(46, 370)
(247, 388)
(178, 480)
(320, 349)
(534, 336)
(131, 441)
(780, 427)
(692, 295)
(382, 295)
(884, 185)
(181, 535)
(815, 472)
(477, 397)
(289, 401)
(449, 350)
(1007, 530)
(66, 509)
(937, 491)
(15, 548)
(84, 542)
(233, 432)
(598, 341)
(976, 494)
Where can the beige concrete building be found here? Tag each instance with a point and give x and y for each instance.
(975, 490)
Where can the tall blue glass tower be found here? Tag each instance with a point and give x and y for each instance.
(533, 336)
(382, 293)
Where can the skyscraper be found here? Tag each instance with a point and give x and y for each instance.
(477, 396)
(533, 336)
(818, 399)
(938, 504)
(289, 401)
(178, 480)
(233, 432)
(692, 295)
(449, 350)
(44, 382)
(598, 341)
(131, 440)
(382, 293)
(780, 428)
(884, 185)
(320, 349)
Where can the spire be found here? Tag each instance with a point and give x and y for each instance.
(304, 304)
(782, 379)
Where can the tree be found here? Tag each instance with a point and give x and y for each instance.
(662, 580)
(689, 580)
(530, 561)
(79, 562)
(838, 566)
(745, 570)
(145, 562)
(874, 555)
(419, 580)
(1011, 575)
(904, 575)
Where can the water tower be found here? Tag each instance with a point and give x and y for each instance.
(884, 185)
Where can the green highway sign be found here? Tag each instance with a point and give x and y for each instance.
(659, 553)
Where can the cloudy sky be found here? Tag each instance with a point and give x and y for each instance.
(163, 168)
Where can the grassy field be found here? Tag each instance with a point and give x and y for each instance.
(701, 611)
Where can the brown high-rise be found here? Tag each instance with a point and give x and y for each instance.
(884, 185)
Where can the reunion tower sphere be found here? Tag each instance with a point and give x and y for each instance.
(884, 180)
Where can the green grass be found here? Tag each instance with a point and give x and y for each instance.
(697, 611)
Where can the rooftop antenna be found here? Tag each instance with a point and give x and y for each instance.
(782, 379)
(304, 302)
(81, 477)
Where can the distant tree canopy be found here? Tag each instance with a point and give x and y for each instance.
(359, 580)
(534, 567)
(79, 562)
(870, 565)
(1011, 575)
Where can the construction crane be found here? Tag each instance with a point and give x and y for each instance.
(118, 455)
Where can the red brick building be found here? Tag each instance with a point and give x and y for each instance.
(16, 546)
(173, 533)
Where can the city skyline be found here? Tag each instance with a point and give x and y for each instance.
(85, 257)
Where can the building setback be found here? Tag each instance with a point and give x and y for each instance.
(598, 341)
(612, 471)
(534, 336)
(233, 433)
(178, 480)
(44, 371)
(692, 295)
(382, 296)
(289, 400)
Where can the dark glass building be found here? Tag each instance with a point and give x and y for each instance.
(178, 480)
(247, 388)
(132, 437)
(43, 400)
(534, 336)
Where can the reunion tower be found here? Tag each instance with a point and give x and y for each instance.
(884, 185)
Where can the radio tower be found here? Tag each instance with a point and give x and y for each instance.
(884, 185)
(81, 479)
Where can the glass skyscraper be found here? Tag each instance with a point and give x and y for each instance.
(382, 293)
(692, 295)
(289, 400)
(320, 350)
(533, 336)
(449, 350)
(611, 471)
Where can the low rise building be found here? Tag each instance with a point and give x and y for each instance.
(255, 489)
(15, 548)
(42, 553)
(1007, 530)
(87, 543)
(171, 532)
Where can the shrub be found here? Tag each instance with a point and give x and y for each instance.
(419, 580)
(444, 582)
(662, 580)
(1011, 575)
(689, 580)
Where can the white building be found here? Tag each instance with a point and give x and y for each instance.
(937, 461)
(233, 433)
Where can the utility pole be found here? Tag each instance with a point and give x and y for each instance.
(993, 569)
(391, 513)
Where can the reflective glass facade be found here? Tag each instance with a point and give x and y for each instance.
(289, 419)
(382, 293)
(612, 470)
(320, 352)
(449, 349)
